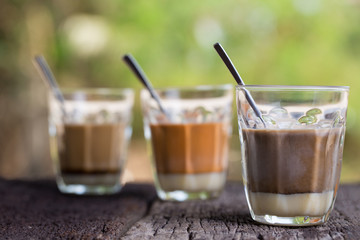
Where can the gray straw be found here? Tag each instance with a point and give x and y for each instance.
(49, 80)
(220, 50)
(136, 69)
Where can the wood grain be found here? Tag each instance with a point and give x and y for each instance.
(36, 210)
(228, 218)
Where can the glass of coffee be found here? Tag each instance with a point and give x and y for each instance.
(188, 144)
(291, 163)
(89, 134)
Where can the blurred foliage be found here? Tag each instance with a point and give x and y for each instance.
(304, 42)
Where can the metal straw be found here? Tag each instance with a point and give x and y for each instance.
(136, 69)
(49, 80)
(226, 59)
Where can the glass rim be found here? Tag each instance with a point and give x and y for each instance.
(294, 87)
(206, 87)
(97, 91)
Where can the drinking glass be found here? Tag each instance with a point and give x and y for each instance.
(291, 163)
(188, 144)
(89, 134)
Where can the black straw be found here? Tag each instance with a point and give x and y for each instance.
(226, 59)
(136, 69)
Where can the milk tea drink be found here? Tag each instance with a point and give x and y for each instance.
(188, 143)
(292, 163)
(292, 172)
(89, 133)
(92, 151)
(190, 157)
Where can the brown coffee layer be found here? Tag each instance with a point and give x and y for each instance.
(91, 148)
(292, 161)
(82, 172)
(190, 148)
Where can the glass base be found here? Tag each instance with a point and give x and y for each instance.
(297, 221)
(184, 195)
(89, 184)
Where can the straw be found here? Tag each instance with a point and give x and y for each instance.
(49, 79)
(226, 59)
(136, 69)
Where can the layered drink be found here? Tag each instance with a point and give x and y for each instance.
(92, 153)
(190, 157)
(89, 133)
(292, 140)
(292, 172)
(188, 140)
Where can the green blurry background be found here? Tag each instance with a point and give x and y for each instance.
(304, 42)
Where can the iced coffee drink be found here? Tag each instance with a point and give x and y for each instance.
(292, 163)
(292, 172)
(89, 134)
(190, 157)
(189, 143)
(92, 153)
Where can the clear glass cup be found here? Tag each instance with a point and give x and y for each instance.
(291, 166)
(189, 144)
(89, 135)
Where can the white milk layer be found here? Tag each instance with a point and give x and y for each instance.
(290, 205)
(192, 182)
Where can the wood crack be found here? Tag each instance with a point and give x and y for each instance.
(103, 230)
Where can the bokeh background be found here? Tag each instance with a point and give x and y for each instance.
(304, 42)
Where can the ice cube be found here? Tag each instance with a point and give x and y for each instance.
(298, 125)
(76, 116)
(251, 123)
(279, 112)
(325, 123)
(251, 114)
(90, 118)
(269, 120)
(220, 113)
(190, 116)
(259, 123)
(297, 115)
(286, 124)
(332, 113)
(102, 116)
(161, 118)
(121, 117)
(204, 114)
(152, 115)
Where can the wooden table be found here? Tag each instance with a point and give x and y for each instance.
(36, 210)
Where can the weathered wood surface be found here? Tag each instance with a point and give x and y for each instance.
(228, 218)
(36, 210)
